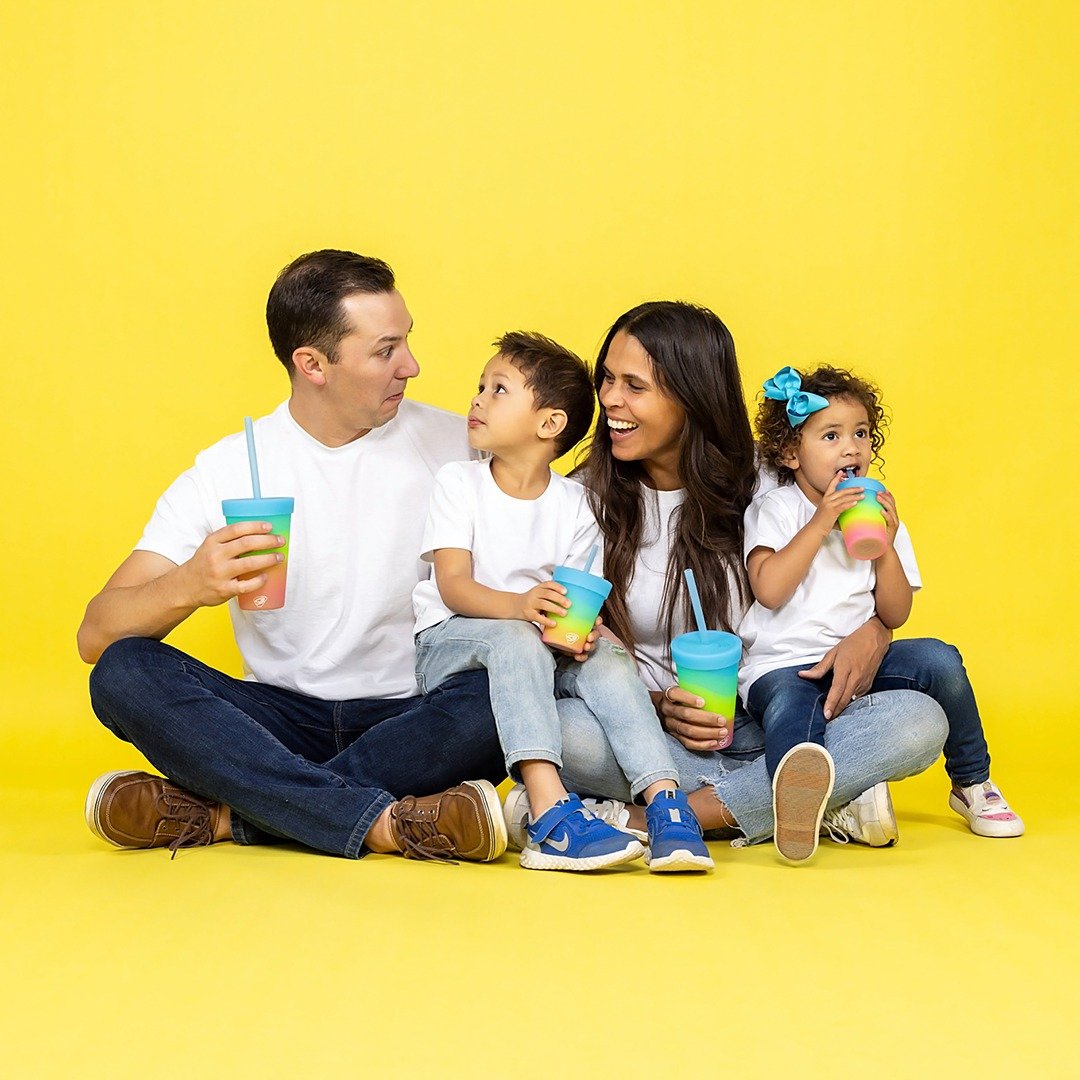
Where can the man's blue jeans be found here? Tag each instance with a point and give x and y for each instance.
(790, 709)
(288, 765)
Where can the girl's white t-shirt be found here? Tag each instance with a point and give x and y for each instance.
(346, 628)
(515, 543)
(834, 599)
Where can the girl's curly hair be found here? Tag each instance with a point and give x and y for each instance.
(776, 436)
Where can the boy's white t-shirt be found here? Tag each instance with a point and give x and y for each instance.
(515, 543)
(834, 599)
(346, 628)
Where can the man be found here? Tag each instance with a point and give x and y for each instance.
(326, 736)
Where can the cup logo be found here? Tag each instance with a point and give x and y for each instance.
(572, 638)
(259, 601)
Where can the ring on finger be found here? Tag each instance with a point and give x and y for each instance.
(667, 694)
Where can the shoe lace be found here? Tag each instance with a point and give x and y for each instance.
(418, 835)
(839, 825)
(193, 817)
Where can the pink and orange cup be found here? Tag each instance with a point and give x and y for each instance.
(863, 526)
(707, 664)
(586, 593)
(278, 512)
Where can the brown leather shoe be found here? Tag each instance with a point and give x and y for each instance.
(136, 810)
(464, 822)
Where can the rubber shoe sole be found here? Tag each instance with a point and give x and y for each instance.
(493, 811)
(93, 804)
(534, 859)
(801, 789)
(679, 860)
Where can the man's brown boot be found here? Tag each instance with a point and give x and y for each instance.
(464, 822)
(137, 810)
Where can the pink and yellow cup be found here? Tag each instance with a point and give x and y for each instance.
(707, 664)
(279, 513)
(863, 525)
(586, 593)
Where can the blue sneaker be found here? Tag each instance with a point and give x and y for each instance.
(568, 837)
(675, 841)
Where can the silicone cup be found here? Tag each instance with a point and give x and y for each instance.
(707, 664)
(279, 513)
(586, 593)
(863, 525)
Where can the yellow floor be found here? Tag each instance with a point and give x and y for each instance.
(948, 954)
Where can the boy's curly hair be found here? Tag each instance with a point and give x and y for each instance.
(776, 436)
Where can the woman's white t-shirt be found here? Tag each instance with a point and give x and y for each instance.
(644, 597)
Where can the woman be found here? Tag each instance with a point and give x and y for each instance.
(670, 471)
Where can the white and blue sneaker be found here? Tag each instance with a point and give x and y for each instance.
(568, 837)
(675, 841)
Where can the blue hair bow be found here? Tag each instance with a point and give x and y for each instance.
(786, 385)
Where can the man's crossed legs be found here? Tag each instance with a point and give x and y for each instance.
(255, 763)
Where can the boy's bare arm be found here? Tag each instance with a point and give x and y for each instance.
(462, 594)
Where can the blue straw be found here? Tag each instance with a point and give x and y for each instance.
(253, 461)
(592, 555)
(695, 599)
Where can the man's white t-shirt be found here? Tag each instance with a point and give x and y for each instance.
(346, 628)
(834, 599)
(515, 543)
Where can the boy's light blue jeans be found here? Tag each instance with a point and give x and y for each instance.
(885, 736)
(525, 678)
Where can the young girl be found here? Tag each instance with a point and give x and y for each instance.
(496, 530)
(810, 593)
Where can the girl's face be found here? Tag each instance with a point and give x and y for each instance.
(644, 422)
(834, 439)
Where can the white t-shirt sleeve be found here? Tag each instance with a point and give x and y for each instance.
(586, 534)
(451, 512)
(768, 523)
(906, 552)
(180, 521)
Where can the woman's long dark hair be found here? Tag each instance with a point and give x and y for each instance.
(693, 359)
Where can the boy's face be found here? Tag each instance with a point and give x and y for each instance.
(830, 441)
(502, 415)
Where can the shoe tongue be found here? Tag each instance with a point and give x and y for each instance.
(989, 793)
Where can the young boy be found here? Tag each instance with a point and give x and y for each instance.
(496, 530)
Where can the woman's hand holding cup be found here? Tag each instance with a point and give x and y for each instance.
(682, 715)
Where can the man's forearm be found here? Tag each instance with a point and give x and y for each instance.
(151, 609)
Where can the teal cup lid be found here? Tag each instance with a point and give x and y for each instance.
(706, 650)
(256, 508)
(860, 482)
(578, 579)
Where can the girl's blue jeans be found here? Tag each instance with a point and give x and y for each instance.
(790, 709)
(288, 765)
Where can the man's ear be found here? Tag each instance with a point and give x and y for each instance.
(310, 364)
(552, 423)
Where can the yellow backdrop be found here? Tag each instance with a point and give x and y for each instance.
(887, 186)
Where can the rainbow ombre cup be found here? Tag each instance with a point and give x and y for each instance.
(586, 593)
(707, 664)
(863, 525)
(279, 513)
